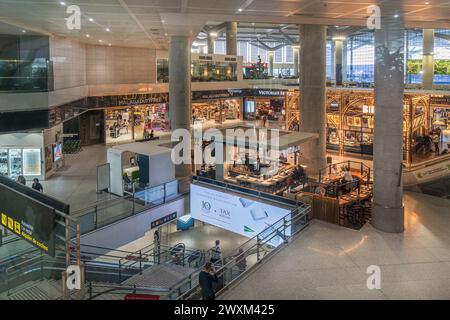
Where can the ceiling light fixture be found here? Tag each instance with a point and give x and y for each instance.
(163, 21)
(24, 31)
(240, 9)
(109, 44)
(100, 41)
(88, 36)
(108, 29)
(396, 16)
(213, 34)
(91, 19)
(62, 3)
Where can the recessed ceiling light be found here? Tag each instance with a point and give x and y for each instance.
(240, 9)
(166, 34)
(88, 36)
(23, 31)
(91, 19)
(100, 40)
(108, 29)
(62, 3)
(163, 21)
(109, 44)
(396, 15)
(427, 3)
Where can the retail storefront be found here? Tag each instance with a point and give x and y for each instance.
(217, 107)
(134, 117)
(264, 104)
(31, 154)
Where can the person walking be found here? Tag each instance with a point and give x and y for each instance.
(37, 186)
(216, 253)
(206, 278)
(21, 180)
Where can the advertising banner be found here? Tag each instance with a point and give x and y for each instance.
(244, 216)
(27, 218)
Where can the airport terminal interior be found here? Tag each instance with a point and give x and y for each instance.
(297, 150)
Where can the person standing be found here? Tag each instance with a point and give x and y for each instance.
(436, 141)
(216, 253)
(206, 278)
(37, 186)
(21, 180)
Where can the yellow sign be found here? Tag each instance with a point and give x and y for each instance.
(10, 223)
(17, 227)
(4, 219)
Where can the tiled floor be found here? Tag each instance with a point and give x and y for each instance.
(330, 262)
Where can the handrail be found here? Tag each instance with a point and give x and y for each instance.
(236, 258)
(257, 238)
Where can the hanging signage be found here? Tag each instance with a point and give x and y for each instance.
(217, 94)
(28, 219)
(131, 100)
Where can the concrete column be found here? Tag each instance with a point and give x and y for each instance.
(388, 210)
(211, 41)
(180, 89)
(312, 94)
(338, 45)
(232, 38)
(296, 59)
(428, 59)
(271, 63)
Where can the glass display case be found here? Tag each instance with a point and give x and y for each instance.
(15, 163)
(3, 162)
(31, 162)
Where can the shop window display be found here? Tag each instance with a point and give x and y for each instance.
(133, 122)
(260, 108)
(218, 111)
(16, 162)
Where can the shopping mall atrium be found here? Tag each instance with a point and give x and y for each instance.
(136, 134)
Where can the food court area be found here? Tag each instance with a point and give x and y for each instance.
(341, 191)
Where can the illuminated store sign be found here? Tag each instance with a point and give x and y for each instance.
(244, 216)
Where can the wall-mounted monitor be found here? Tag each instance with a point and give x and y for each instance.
(57, 152)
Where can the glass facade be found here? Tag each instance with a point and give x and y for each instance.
(201, 71)
(24, 63)
(413, 54)
(360, 58)
(205, 71)
(442, 56)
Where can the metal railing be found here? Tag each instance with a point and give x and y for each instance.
(363, 168)
(249, 255)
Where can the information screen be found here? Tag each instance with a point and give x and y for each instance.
(28, 218)
(244, 216)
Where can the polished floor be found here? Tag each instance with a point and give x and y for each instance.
(330, 262)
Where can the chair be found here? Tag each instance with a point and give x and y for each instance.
(127, 183)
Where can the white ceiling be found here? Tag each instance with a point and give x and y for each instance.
(149, 23)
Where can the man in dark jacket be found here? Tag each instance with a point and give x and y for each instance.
(206, 278)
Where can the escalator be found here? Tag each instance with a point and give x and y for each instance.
(430, 177)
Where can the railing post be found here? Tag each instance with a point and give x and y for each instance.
(258, 243)
(90, 290)
(120, 271)
(140, 261)
(96, 217)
